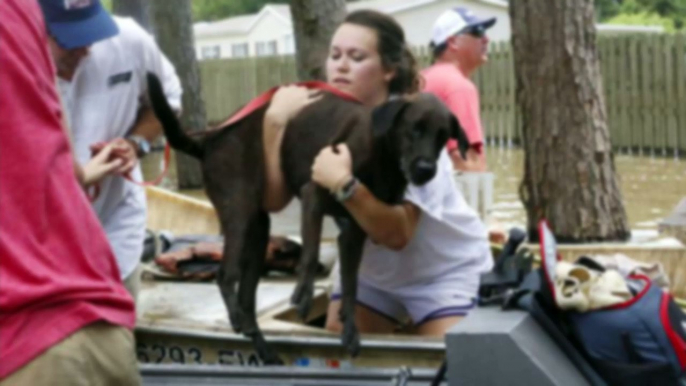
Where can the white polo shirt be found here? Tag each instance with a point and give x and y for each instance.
(102, 103)
(450, 241)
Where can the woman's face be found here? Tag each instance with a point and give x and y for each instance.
(354, 64)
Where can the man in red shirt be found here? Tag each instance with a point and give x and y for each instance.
(65, 316)
(460, 46)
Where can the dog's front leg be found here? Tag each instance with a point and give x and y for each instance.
(350, 245)
(312, 200)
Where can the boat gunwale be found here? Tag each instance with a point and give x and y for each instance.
(307, 341)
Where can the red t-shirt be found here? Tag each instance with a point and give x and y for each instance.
(460, 96)
(57, 272)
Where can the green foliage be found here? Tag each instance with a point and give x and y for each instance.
(675, 10)
(606, 9)
(210, 10)
(669, 13)
(643, 18)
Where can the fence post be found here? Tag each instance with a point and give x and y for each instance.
(680, 81)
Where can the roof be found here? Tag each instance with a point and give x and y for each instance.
(630, 28)
(394, 6)
(243, 24)
(231, 25)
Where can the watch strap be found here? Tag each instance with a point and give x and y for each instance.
(346, 190)
(141, 143)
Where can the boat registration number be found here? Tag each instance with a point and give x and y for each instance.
(182, 354)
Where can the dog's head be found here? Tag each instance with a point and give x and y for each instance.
(419, 129)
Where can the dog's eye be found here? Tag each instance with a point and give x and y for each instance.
(416, 132)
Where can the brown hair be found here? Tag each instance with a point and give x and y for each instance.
(394, 52)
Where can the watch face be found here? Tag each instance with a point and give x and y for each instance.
(347, 190)
(144, 146)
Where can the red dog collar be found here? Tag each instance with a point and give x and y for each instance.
(267, 96)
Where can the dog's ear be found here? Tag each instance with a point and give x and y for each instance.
(457, 133)
(385, 116)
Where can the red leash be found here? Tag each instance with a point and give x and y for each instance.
(93, 191)
(267, 96)
(165, 169)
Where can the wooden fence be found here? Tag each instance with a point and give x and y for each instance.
(644, 78)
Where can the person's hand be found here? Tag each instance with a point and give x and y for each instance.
(288, 101)
(123, 149)
(473, 163)
(332, 169)
(101, 165)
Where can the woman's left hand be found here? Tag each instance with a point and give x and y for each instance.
(101, 165)
(123, 149)
(332, 169)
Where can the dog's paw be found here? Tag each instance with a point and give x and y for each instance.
(272, 360)
(351, 339)
(302, 298)
(266, 353)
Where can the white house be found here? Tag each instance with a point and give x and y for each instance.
(270, 31)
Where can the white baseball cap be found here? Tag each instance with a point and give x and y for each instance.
(454, 21)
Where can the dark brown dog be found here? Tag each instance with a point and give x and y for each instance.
(399, 142)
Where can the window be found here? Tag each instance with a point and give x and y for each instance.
(288, 44)
(210, 52)
(272, 48)
(239, 50)
(265, 48)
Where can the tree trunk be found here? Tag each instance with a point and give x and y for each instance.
(137, 9)
(569, 172)
(314, 22)
(174, 30)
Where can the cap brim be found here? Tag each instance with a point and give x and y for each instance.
(83, 33)
(486, 23)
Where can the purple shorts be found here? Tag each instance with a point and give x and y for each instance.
(423, 302)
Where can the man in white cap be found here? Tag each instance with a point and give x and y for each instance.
(102, 62)
(459, 45)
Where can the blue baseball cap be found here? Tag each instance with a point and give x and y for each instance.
(455, 21)
(77, 23)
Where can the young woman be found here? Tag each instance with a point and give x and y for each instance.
(424, 256)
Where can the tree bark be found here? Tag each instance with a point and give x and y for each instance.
(569, 173)
(137, 9)
(314, 22)
(174, 32)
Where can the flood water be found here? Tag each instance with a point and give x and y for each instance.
(651, 188)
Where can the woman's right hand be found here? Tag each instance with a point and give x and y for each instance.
(288, 101)
(103, 163)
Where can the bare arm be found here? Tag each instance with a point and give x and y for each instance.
(147, 125)
(392, 226)
(286, 103)
(276, 196)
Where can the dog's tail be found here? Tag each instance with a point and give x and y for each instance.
(177, 138)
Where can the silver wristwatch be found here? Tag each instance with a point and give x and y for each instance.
(142, 145)
(347, 190)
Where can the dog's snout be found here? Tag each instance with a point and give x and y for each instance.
(423, 170)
